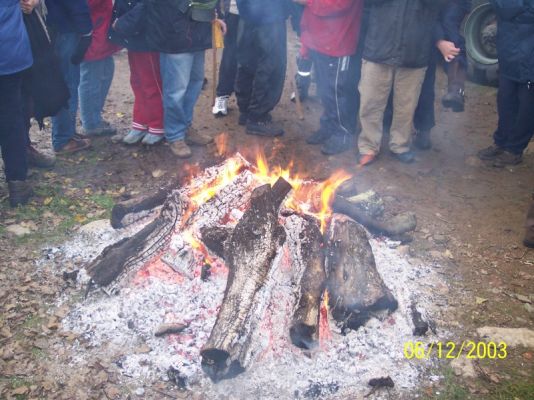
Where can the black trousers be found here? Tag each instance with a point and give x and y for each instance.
(13, 140)
(261, 70)
(228, 68)
(515, 106)
(337, 82)
(424, 118)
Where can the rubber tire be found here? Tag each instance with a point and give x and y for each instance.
(487, 72)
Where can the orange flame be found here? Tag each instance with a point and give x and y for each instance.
(324, 328)
(221, 143)
(197, 245)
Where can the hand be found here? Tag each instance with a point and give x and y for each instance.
(81, 49)
(27, 6)
(448, 50)
(222, 25)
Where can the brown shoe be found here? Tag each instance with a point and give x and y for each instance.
(180, 149)
(490, 153)
(194, 137)
(19, 193)
(37, 159)
(507, 159)
(529, 236)
(75, 144)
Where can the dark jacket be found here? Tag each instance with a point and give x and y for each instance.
(263, 11)
(450, 20)
(401, 32)
(68, 16)
(170, 28)
(130, 25)
(515, 39)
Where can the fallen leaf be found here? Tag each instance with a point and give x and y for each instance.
(20, 391)
(47, 201)
(480, 300)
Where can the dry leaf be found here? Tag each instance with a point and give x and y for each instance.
(47, 201)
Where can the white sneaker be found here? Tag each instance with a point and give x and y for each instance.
(151, 139)
(221, 106)
(134, 136)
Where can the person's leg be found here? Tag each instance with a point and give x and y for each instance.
(139, 70)
(13, 139)
(194, 87)
(153, 99)
(228, 67)
(424, 118)
(375, 87)
(246, 67)
(324, 77)
(64, 122)
(406, 91)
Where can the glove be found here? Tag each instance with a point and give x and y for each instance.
(81, 49)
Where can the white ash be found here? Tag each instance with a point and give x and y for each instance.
(122, 327)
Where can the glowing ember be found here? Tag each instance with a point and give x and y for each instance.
(325, 334)
(199, 246)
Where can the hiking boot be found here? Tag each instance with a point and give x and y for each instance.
(407, 157)
(220, 109)
(422, 140)
(19, 193)
(336, 144)
(264, 128)
(105, 129)
(151, 139)
(490, 153)
(134, 136)
(74, 145)
(455, 100)
(37, 159)
(318, 137)
(194, 137)
(528, 241)
(507, 159)
(180, 149)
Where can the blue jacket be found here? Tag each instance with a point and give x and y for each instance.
(130, 25)
(263, 11)
(69, 16)
(15, 51)
(515, 39)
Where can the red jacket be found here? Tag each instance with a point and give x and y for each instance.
(332, 27)
(101, 47)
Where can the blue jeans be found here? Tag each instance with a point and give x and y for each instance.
(64, 123)
(95, 80)
(182, 77)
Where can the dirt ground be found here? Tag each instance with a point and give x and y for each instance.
(470, 221)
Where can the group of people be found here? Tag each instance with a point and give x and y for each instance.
(374, 63)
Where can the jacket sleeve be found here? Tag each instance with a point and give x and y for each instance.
(328, 8)
(78, 11)
(131, 23)
(518, 11)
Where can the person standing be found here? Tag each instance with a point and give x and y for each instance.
(396, 55)
(228, 68)
(330, 30)
(262, 61)
(515, 99)
(15, 58)
(96, 71)
(69, 22)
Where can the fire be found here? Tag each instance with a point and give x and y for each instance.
(221, 143)
(198, 245)
(324, 328)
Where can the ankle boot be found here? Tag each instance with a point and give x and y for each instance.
(19, 193)
(529, 236)
(454, 99)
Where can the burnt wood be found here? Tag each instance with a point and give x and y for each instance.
(135, 205)
(304, 327)
(250, 252)
(356, 289)
(215, 238)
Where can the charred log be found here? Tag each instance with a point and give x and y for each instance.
(395, 227)
(135, 205)
(356, 289)
(304, 328)
(250, 252)
(215, 238)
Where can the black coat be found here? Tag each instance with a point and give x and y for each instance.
(515, 39)
(401, 32)
(170, 28)
(130, 25)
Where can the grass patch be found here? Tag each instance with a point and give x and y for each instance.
(451, 389)
(521, 390)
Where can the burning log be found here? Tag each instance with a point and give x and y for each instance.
(135, 205)
(118, 259)
(250, 252)
(395, 227)
(355, 286)
(304, 327)
(215, 238)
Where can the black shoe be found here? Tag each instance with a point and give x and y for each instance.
(19, 193)
(407, 157)
(264, 128)
(507, 159)
(318, 137)
(337, 144)
(422, 140)
(243, 119)
(490, 153)
(455, 100)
